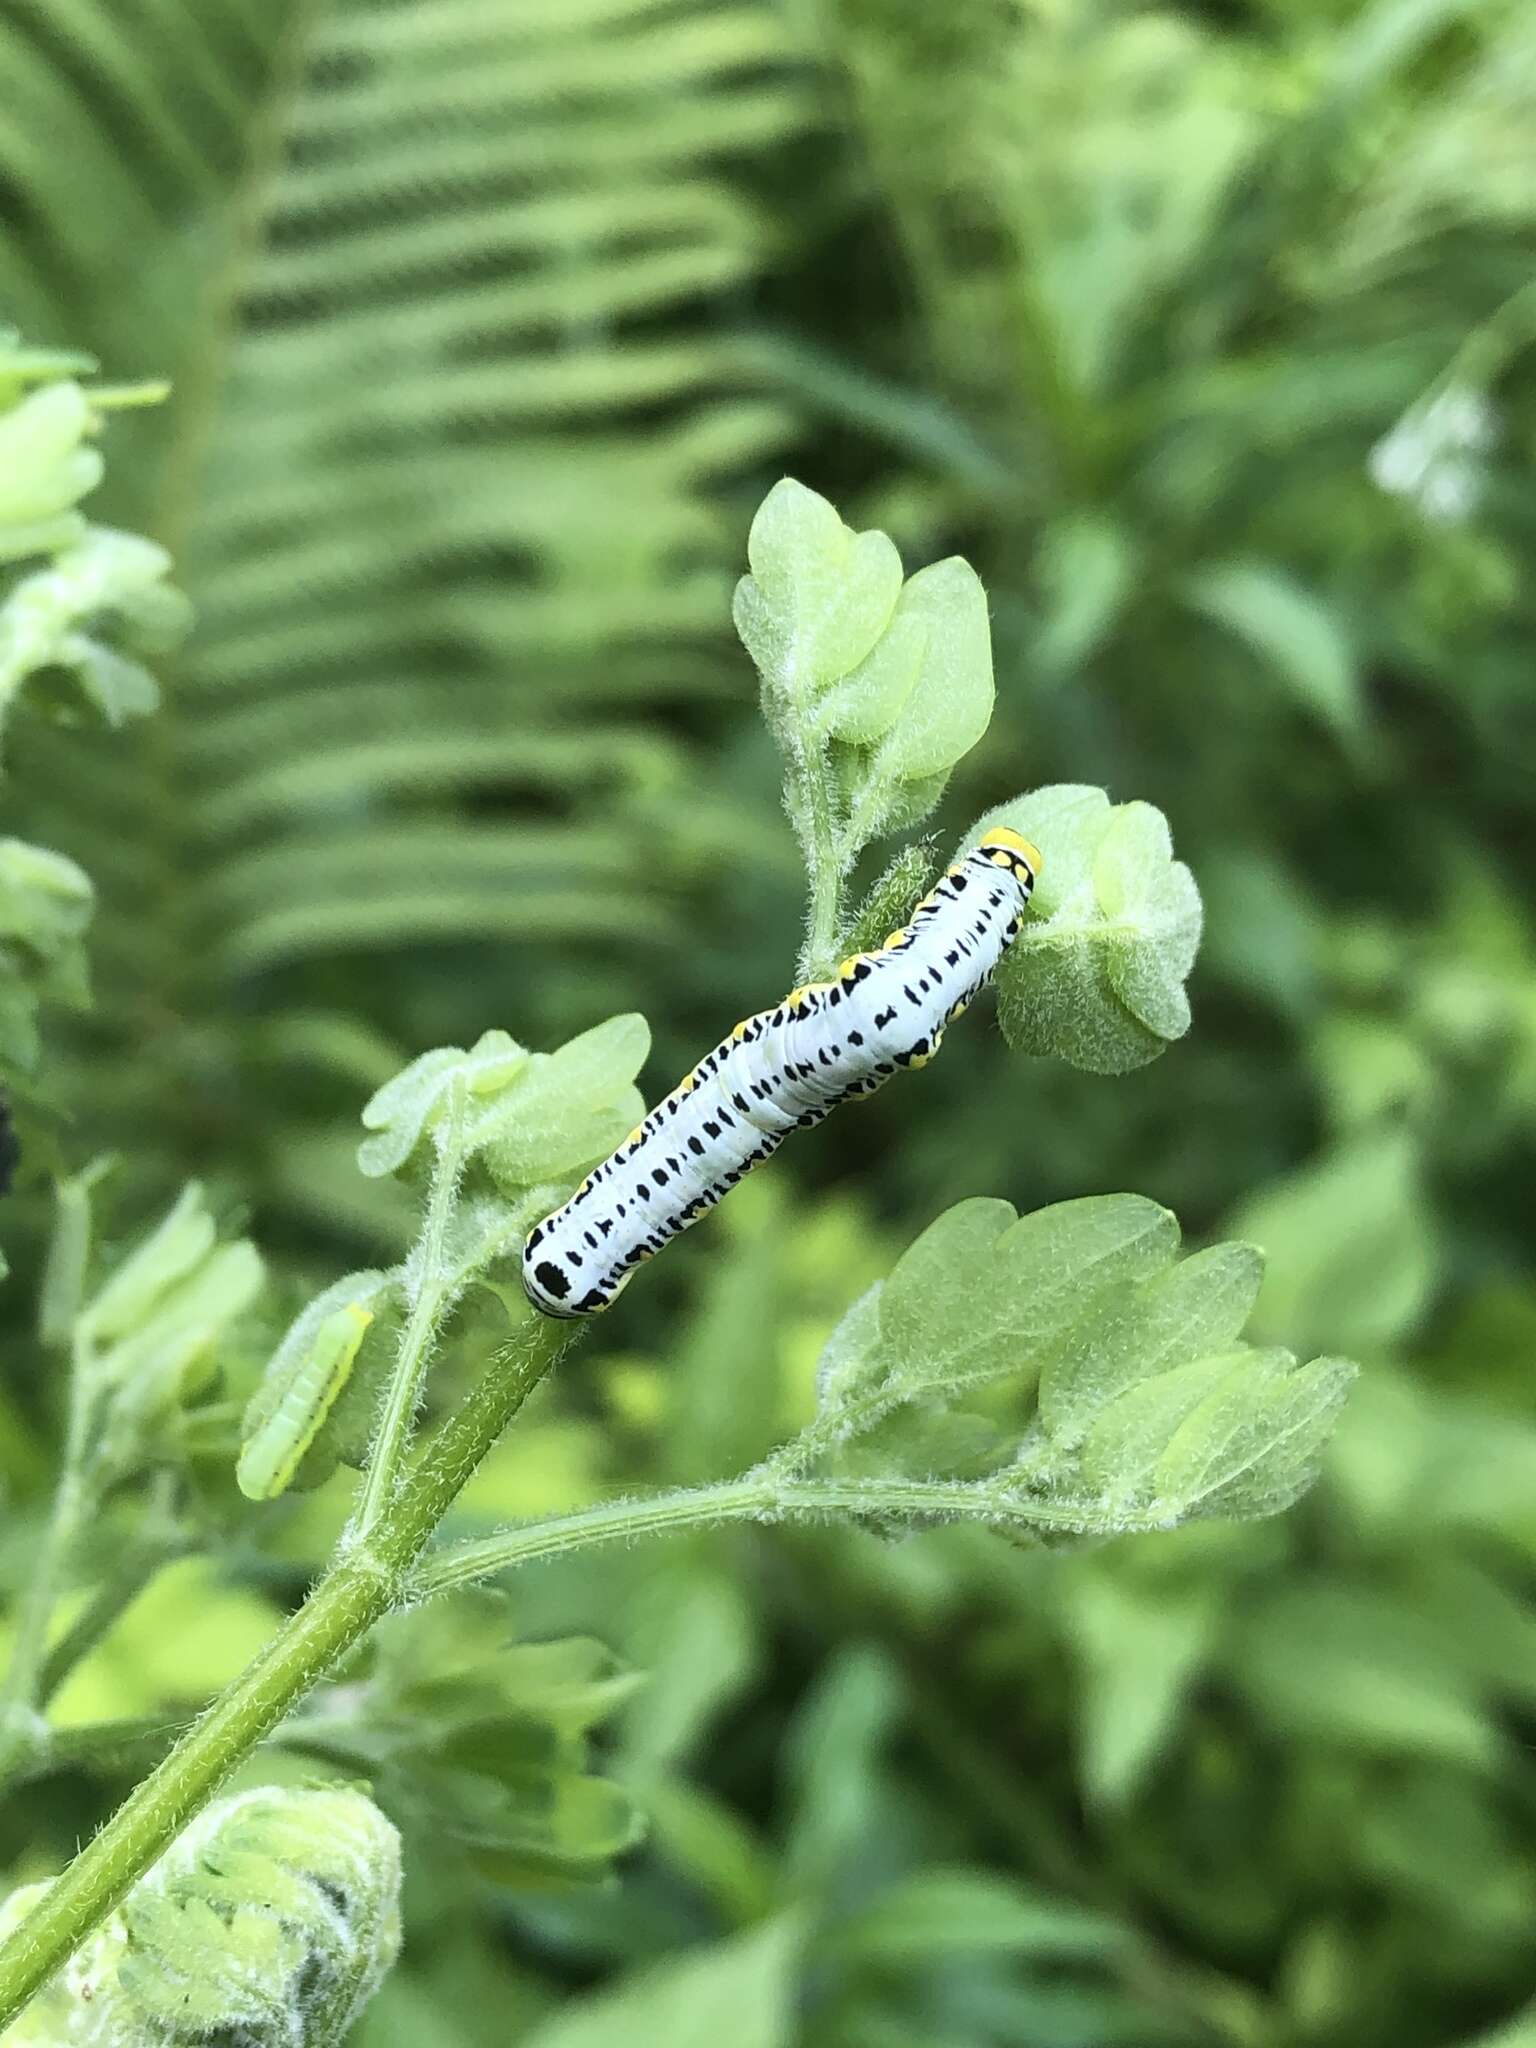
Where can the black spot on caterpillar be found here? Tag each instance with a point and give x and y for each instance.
(782, 1070)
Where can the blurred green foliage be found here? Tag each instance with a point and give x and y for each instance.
(1203, 334)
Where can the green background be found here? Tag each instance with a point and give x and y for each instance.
(1204, 334)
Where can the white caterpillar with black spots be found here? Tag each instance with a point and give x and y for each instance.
(779, 1071)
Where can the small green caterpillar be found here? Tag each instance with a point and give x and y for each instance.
(275, 1448)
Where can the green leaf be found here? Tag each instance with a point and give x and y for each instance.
(741, 1991)
(880, 804)
(1345, 1663)
(177, 1245)
(523, 1824)
(1235, 1434)
(819, 595)
(1250, 1447)
(862, 707)
(485, 1741)
(984, 1296)
(974, 1913)
(1086, 567)
(1070, 1372)
(1121, 1453)
(1199, 1305)
(46, 905)
(45, 898)
(49, 620)
(277, 1908)
(569, 1107)
(690, 1626)
(1097, 973)
(45, 466)
(1293, 633)
(833, 1766)
(150, 1366)
(534, 1117)
(63, 1285)
(873, 688)
(152, 1332)
(849, 1358)
(1140, 1647)
(713, 1847)
(1351, 1253)
(1144, 891)
(409, 1105)
(927, 698)
(574, 1684)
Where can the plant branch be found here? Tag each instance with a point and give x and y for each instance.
(121, 1748)
(351, 1597)
(810, 807)
(768, 1494)
(397, 1421)
(824, 868)
(22, 1730)
(756, 1497)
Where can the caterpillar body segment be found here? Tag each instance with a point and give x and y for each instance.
(272, 1455)
(782, 1070)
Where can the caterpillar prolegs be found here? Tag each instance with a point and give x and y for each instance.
(778, 1071)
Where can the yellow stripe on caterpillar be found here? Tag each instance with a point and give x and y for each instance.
(824, 1043)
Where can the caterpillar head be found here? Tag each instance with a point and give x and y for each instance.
(1010, 849)
(553, 1285)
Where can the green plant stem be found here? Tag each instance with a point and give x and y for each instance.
(823, 866)
(768, 1494)
(863, 822)
(397, 1421)
(809, 794)
(752, 1498)
(344, 1605)
(122, 1748)
(1218, 2004)
(21, 1729)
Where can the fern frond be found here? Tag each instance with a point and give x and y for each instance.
(456, 297)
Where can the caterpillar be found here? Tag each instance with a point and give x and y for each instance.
(276, 1447)
(780, 1071)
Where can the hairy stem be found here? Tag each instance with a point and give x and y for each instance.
(771, 1493)
(808, 795)
(344, 1605)
(397, 1421)
(768, 1494)
(748, 1499)
(824, 866)
(123, 1748)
